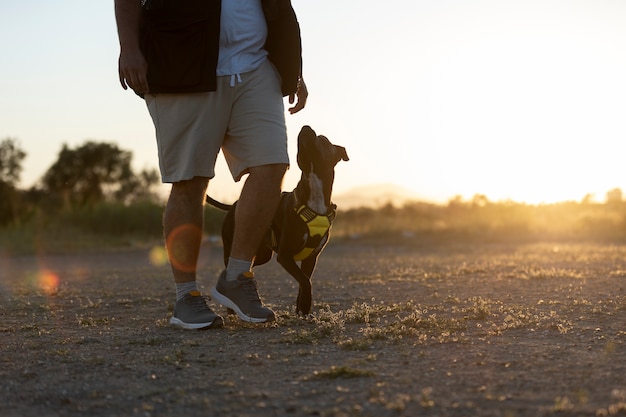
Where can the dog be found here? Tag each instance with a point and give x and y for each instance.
(301, 225)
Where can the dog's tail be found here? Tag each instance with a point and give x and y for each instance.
(217, 204)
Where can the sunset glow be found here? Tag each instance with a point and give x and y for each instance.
(515, 100)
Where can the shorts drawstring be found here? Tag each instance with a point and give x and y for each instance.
(232, 79)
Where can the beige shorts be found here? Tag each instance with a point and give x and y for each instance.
(245, 118)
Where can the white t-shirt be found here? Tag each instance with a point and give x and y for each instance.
(243, 32)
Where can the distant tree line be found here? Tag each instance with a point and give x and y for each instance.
(479, 219)
(84, 176)
(92, 192)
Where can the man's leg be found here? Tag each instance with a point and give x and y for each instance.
(255, 209)
(182, 227)
(253, 217)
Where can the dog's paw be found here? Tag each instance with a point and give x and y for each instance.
(304, 302)
(302, 312)
(306, 317)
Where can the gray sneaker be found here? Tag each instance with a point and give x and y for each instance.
(242, 296)
(193, 313)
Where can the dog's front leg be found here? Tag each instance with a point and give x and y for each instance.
(303, 304)
(307, 267)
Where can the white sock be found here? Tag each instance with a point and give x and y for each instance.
(185, 288)
(237, 267)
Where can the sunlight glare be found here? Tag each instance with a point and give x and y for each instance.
(158, 256)
(531, 113)
(181, 258)
(47, 281)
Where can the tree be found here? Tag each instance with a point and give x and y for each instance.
(587, 199)
(614, 196)
(139, 187)
(90, 174)
(480, 200)
(11, 157)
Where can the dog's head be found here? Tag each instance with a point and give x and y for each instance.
(318, 157)
(316, 154)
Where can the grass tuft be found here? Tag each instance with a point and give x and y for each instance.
(335, 372)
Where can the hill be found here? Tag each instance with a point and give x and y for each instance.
(375, 196)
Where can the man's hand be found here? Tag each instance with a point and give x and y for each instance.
(302, 93)
(132, 66)
(133, 71)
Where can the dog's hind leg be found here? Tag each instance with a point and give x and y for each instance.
(228, 230)
(263, 255)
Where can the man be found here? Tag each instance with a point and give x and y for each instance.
(213, 74)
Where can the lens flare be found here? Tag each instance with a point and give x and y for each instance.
(158, 256)
(182, 249)
(47, 281)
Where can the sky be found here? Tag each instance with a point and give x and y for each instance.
(520, 100)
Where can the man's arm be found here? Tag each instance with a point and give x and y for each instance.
(132, 65)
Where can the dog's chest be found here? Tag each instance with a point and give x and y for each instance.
(316, 194)
(303, 231)
(316, 230)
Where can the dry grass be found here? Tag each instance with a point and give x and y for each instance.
(445, 330)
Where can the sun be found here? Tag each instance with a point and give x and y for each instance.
(523, 107)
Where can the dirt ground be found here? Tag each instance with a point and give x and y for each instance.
(399, 330)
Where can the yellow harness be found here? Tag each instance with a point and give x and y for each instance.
(318, 227)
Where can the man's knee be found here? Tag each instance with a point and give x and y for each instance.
(192, 189)
(271, 173)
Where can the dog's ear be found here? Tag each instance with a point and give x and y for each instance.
(308, 131)
(340, 153)
(306, 142)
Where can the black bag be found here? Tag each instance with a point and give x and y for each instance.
(180, 42)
